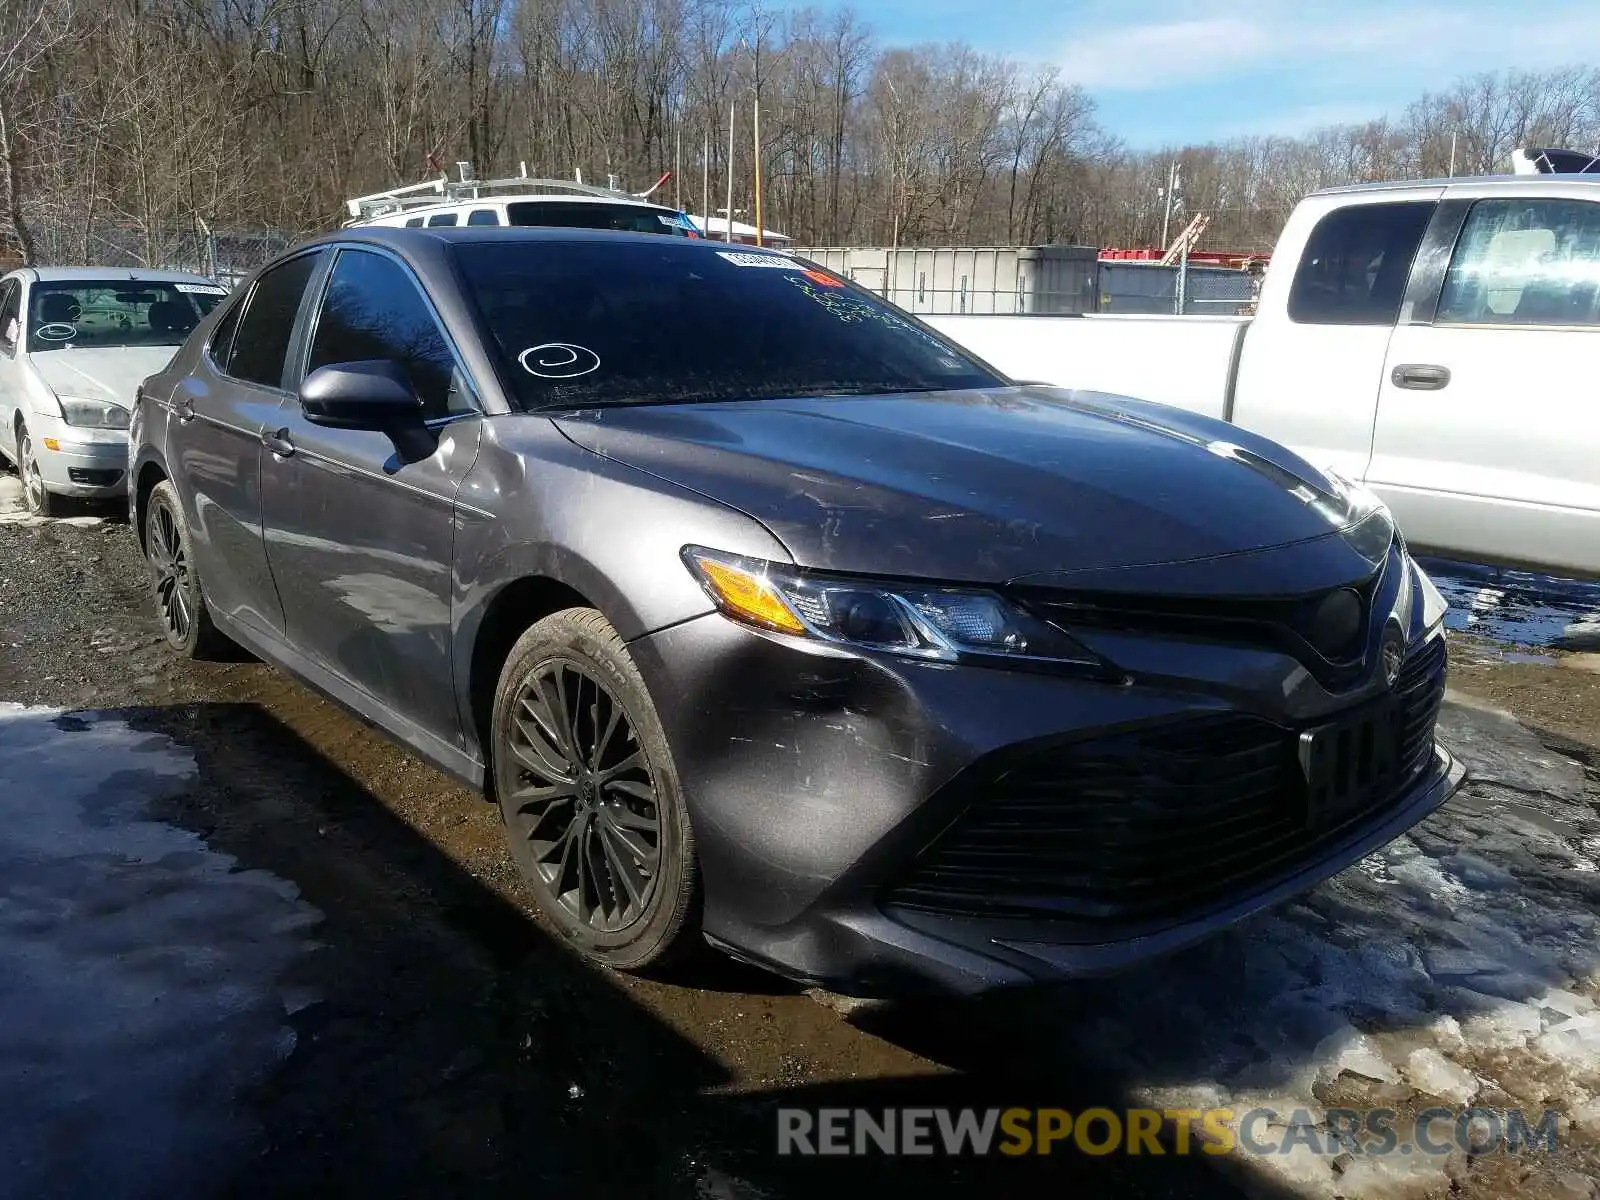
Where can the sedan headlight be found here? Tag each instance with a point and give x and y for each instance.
(941, 624)
(93, 414)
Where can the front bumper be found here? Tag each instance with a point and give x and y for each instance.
(835, 796)
(88, 463)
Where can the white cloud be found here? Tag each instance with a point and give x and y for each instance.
(1350, 42)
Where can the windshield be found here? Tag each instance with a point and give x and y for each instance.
(596, 322)
(581, 214)
(81, 313)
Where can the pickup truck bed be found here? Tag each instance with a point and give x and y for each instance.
(1429, 339)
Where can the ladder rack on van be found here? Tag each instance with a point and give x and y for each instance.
(444, 189)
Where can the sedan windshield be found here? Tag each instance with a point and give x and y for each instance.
(82, 313)
(604, 322)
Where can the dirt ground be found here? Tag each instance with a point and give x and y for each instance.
(453, 1047)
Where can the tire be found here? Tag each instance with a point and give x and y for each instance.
(180, 603)
(36, 497)
(587, 789)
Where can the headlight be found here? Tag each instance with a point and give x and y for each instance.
(942, 624)
(93, 414)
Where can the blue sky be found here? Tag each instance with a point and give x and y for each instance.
(1170, 71)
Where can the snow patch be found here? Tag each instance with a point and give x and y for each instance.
(138, 968)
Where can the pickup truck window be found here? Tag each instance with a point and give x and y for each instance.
(1525, 262)
(1356, 264)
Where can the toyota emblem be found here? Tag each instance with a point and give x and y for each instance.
(1392, 655)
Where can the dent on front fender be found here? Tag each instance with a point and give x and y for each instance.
(536, 506)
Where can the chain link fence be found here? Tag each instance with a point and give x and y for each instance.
(226, 255)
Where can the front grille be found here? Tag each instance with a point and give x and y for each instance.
(1284, 624)
(88, 478)
(1145, 827)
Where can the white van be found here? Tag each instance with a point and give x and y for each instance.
(518, 201)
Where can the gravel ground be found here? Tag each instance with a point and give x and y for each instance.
(443, 1044)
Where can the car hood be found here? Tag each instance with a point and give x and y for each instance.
(111, 373)
(987, 486)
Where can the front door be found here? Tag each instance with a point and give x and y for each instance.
(1486, 439)
(360, 523)
(218, 414)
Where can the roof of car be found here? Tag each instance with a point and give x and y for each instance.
(132, 274)
(460, 234)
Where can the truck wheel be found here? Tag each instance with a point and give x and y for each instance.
(589, 794)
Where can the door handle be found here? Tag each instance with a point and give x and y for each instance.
(278, 441)
(1420, 377)
(183, 407)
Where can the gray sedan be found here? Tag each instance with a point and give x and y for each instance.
(771, 618)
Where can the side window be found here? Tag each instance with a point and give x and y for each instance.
(374, 309)
(1356, 264)
(442, 219)
(10, 315)
(483, 216)
(413, 222)
(261, 342)
(222, 336)
(1525, 262)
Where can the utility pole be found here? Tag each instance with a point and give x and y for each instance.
(1166, 219)
(677, 167)
(1452, 156)
(705, 183)
(757, 115)
(728, 230)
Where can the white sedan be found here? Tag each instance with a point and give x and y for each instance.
(75, 344)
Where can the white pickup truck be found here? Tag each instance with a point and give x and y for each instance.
(1436, 340)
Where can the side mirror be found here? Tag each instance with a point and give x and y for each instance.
(372, 394)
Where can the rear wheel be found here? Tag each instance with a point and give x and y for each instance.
(38, 499)
(586, 785)
(175, 583)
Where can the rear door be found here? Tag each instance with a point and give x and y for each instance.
(219, 413)
(1487, 444)
(1308, 373)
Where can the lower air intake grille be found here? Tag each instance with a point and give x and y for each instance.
(1147, 826)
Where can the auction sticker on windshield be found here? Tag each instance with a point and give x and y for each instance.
(201, 289)
(739, 259)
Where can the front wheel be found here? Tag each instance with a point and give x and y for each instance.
(586, 785)
(38, 499)
(175, 582)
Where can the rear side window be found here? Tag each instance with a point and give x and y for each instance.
(442, 219)
(579, 214)
(483, 216)
(1356, 264)
(262, 342)
(1525, 262)
(374, 310)
(222, 335)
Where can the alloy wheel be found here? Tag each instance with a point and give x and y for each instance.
(173, 582)
(33, 490)
(584, 797)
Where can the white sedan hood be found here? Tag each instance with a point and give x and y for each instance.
(111, 373)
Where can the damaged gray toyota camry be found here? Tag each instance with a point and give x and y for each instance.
(772, 619)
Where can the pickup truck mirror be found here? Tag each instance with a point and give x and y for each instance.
(370, 394)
